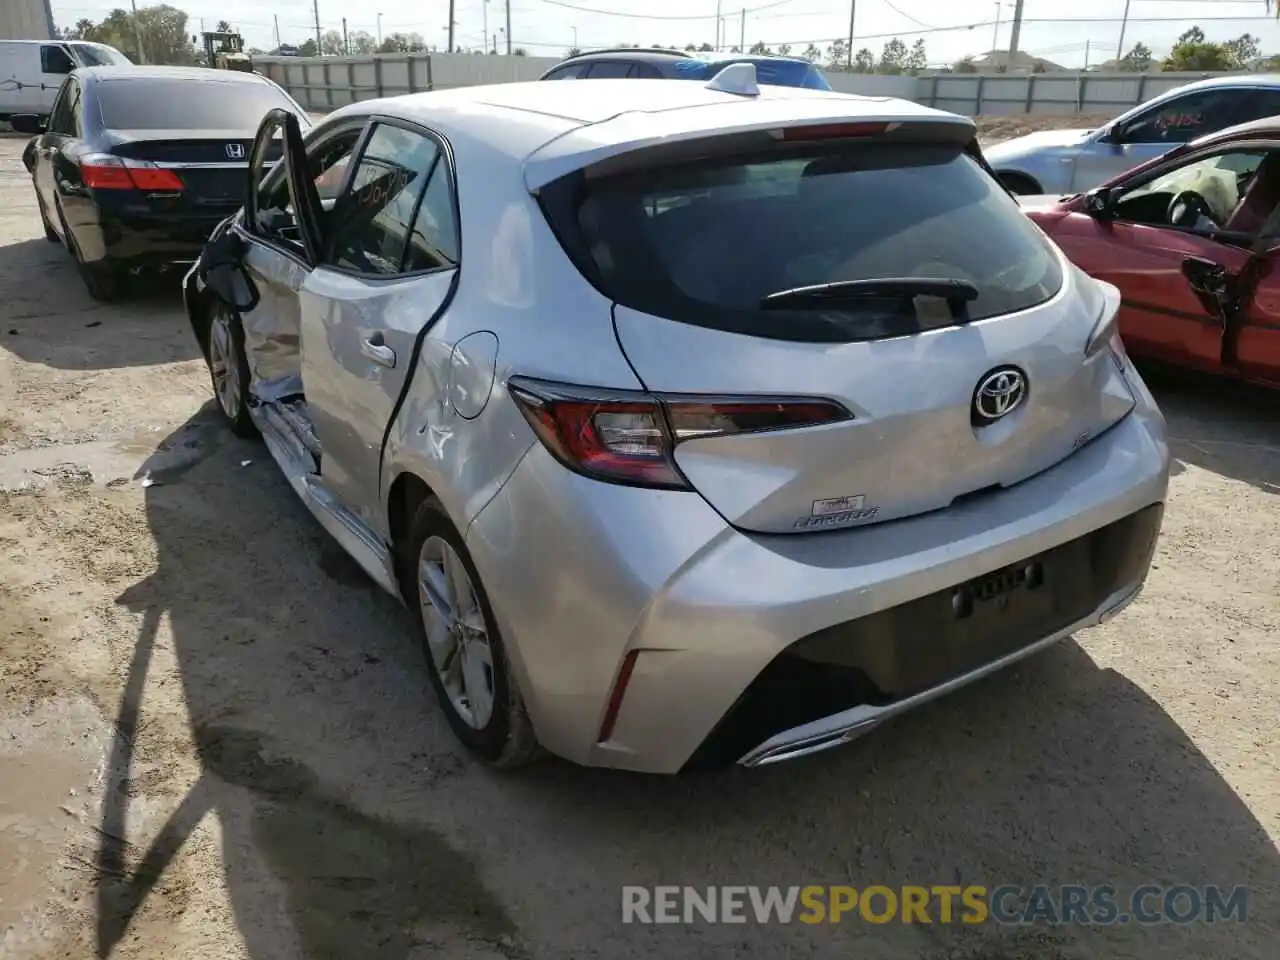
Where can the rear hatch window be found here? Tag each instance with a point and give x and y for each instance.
(137, 104)
(706, 242)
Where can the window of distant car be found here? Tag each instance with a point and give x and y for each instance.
(706, 242)
(1185, 118)
(156, 103)
(608, 69)
(99, 55)
(779, 73)
(55, 59)
(571, 71)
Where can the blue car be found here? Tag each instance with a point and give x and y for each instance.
(673, 65)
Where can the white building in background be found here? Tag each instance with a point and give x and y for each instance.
(26, 20)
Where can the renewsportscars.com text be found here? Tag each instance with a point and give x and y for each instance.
(944, 904)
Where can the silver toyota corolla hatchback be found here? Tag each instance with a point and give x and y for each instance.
(694, 422)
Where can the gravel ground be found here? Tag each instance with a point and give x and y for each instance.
(216, 739)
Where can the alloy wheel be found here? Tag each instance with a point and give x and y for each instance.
(457, 636)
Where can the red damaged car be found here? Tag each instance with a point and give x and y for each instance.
(1192, 240)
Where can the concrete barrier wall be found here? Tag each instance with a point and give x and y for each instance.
(323, 83)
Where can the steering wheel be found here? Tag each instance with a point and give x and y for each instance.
(1187, 207)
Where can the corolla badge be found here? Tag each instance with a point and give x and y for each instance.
(998, 394)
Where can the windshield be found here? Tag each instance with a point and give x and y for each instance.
(180, 104)
(779, 73)
(99, 55)
(705, 243)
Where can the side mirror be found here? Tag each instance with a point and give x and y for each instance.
(1098, 203)
(1113, 135)
(27, 123)
(232, 286)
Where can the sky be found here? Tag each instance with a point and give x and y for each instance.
(951, 29)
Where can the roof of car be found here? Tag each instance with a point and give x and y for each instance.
(194, 74)
(565, 123)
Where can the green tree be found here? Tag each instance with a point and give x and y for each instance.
(331, 44)
(759, 48)
(706, 48)
(784, 50)
(837, 55)
(1193, 52)
(1245, 49)
(864, 61)
(573, 52)
(965, 65)
(223, 26)
(918, 58)
(893, 58)
(362, 43)
(519, 52)
(309, 48)
(1137, 60)
(163, 29)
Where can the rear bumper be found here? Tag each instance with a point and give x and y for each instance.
(139, 239)
(585, 576)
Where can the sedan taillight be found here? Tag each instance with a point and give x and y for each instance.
(102, 171)
(629, 437)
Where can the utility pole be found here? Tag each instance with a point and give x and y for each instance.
(742, 32)
(315, 6)
(1014, 35)
(137, 32)
(484, 13)
(379, 30)
(508, 28)
(452, 23)
(346, 44)
(717, 26)
(1124, 23)
(1086, 55)
(848, 53)
(276, 18)
(995, 39)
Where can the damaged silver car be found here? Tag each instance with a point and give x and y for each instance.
(693, 422)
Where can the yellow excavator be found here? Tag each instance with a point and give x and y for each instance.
(225, 51)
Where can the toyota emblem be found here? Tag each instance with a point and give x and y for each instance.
(235, 151)
(998, 394)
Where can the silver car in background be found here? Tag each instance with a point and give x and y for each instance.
(694, 422)
(1062, 162)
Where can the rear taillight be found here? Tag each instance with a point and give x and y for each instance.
(624, 436)
(1106, 330)
(101, 171)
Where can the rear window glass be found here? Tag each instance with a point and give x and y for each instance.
(186, 104)
(778, 73)
(705, 243)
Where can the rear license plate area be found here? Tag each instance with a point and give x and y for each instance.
(995, 593)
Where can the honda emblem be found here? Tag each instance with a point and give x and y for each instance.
(235, 151)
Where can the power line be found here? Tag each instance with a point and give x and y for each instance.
(903, 13)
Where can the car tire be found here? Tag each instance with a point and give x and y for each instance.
(49, 233)
(467, 659)
(102, 280)
(228, 366)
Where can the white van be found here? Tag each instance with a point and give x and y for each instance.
(31, 71)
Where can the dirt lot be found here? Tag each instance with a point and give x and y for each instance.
(216, 740)
(994, 129)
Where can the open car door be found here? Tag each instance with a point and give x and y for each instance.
(281, 238)
(1179, 242)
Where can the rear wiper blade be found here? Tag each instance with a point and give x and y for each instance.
(956, 292)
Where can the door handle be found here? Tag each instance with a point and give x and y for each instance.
(378, 352)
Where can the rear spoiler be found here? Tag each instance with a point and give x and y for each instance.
(637, 139)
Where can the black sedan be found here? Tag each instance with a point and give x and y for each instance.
(137, 165)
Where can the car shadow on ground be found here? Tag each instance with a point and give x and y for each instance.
(1228, 428)
(52, 320)
(350, 826)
